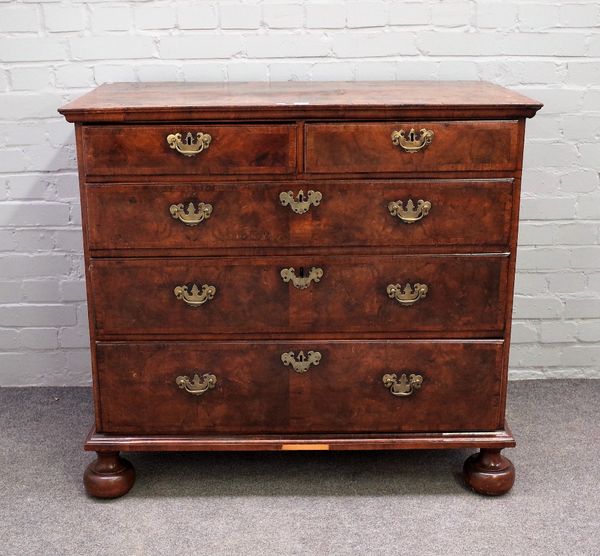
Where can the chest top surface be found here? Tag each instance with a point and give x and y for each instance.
(174, 100)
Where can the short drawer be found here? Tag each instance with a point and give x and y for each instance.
(136, 150)
(328, 387)
(300, 295)
(319, 213)
(432, 147)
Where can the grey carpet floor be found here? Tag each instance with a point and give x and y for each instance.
(363, 503)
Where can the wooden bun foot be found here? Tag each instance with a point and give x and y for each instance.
(108, 476)
(489, 472)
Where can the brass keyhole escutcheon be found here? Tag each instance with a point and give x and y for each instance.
(301, 203)
(189, 145)
(301, 280)
(412, 141)
(301, 362)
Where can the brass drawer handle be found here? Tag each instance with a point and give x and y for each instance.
(414, 141)
(195, 297)
(409, 295)
(410, 214)
(196, 386)
(300, 204)
(402, 386)
(300, 363)
(301, 282)
(191, 145)
(191, 216)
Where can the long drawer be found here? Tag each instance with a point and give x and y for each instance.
(379, 213)
(431, 147)
(384, 386)
(188, 149)
(299, 295)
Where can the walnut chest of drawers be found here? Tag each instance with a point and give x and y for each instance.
(320, 266)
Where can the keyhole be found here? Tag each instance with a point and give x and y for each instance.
(301, 195)
(301, 272)
(188, 139)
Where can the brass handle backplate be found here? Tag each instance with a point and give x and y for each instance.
(191, 216)
(410, 214)
(413, 141)
(301, 203)
(408, 295)
(197, 385)
(301, 282)
(190, 145)
(402, 386)
(300, 363)
(195, 297)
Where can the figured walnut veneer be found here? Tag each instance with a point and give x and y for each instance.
(412, 235)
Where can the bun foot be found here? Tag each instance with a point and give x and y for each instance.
(489, 472)
(108, 476)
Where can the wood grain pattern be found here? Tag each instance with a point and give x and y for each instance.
(466, 294)
(273, 137)
(196, 101)
(499, 438)
(351, 213)
(234, 149)
(109, 476)
(489, 472)
(256, 393)
(368, 148)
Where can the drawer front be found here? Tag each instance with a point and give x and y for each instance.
(246, 387)
(338, 213)
(233, 149)
(139, 390)
(335, 294)
(454, 146)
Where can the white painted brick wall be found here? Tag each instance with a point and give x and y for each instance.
(52, 51)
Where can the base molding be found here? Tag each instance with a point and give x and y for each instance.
(497, 439)
(487, 472)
